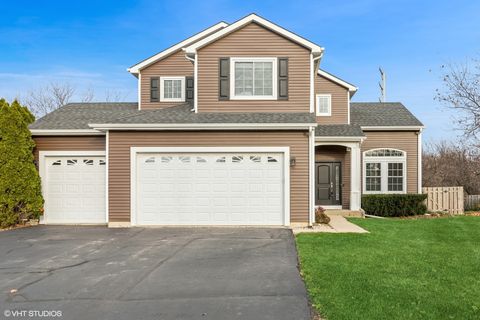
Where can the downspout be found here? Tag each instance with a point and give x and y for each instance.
(195, 80)
(313, 72)
(311, 175)
(311, 147)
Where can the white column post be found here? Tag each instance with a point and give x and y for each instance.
(355, 177)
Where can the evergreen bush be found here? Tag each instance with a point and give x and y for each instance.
(20, 187)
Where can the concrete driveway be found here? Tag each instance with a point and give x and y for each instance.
(151, 273)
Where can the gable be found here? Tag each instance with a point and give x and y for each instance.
(257, 36)
(315, 49)
(256, 39)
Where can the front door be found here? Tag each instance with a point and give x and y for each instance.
(328, 177)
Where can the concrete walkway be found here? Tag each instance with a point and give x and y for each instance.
(338, 224)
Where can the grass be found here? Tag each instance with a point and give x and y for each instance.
(402, 269)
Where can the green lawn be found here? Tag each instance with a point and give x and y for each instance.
(402, 269)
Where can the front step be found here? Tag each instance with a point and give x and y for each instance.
(344, 213)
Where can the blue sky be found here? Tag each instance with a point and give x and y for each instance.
(91, 43)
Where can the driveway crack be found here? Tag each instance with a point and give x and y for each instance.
(158, 265)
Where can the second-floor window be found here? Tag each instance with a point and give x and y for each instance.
(253, 78)
(172, 89)
(324, 105)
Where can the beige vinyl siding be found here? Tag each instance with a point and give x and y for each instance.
(119, 157)
(68, 143)
(173, 65)
(337, 154)
(404, 140)
(254, 40)
(339, 100)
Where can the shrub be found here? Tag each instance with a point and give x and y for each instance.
(20, 190)
(320, 216)
(394, 205)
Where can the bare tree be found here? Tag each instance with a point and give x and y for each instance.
(88, 95)
(48, 98)
(52, 96)
(462, 93)
(447, 164)
(114, 96)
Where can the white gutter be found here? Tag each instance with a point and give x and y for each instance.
(204, 126)
(392, 128)
(66, 132)
(339, 138)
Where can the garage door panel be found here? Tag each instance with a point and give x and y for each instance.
(74, 189)
(209, 188)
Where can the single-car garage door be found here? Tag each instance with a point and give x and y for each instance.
(75, 190)
(210, 189)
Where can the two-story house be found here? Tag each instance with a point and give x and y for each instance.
(236, 125)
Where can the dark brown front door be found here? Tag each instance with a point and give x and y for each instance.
(328, 177)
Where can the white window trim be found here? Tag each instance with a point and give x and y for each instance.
(384, 171)
(323, 114)
(233, 60)
(162, 91)
(133, 170)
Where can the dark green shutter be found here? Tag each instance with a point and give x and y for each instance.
(154, 89)
(224, 79)
(189, 88)
(283, 78)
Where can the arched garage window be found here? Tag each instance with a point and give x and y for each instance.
(384, 171)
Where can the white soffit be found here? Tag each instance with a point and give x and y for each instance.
(337, 80)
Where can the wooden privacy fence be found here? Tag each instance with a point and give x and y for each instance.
(472, 202)
(448, 199)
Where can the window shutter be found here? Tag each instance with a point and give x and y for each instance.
(189, 88)
(283, 78)
(224, 79)
(154, 89)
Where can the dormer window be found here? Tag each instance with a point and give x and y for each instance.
(253, 78)
(172, 89)
(324, 105)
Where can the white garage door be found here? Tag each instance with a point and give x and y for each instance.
(75, 190)
(210, 189)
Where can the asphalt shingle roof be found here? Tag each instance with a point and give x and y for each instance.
(79, 115)
(183, 114)
(382, 114)
(338, 130)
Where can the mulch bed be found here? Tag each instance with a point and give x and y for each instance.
(428, 216)
(19, 226)
(474, 213)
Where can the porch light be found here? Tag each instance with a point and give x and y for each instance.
(293, 161)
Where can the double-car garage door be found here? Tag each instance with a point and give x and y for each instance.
(210, 189)
(214, 188)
